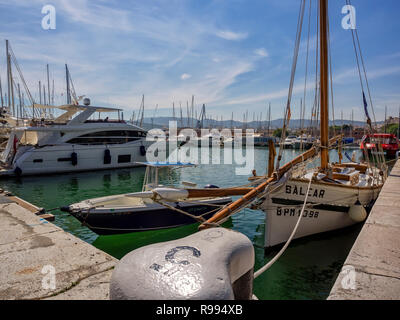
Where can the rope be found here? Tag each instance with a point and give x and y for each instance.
(270, 263)
(292, 76)
(197, 218)
(306, 73)
(200, 219)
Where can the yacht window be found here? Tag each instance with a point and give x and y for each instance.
(37, 160)
(123, 158)
(108, 137)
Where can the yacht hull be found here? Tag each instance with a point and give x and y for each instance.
(60, 158)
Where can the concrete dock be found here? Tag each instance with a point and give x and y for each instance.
(372, 268)
(39, 260)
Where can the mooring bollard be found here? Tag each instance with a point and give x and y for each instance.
(213, 264)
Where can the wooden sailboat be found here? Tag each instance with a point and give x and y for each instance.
(339, 194)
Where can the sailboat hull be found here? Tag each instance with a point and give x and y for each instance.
(327, 209)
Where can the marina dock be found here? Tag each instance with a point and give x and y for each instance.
(41, 261)
(372, 268)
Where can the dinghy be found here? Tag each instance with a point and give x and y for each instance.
(156, 207)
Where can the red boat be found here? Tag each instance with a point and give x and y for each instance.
(390, 143)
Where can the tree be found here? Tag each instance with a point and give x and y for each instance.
(278, 133)
(392, 128)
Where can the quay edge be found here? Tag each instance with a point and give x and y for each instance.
(31, 248)
(372, 268)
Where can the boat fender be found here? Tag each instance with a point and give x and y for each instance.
(213, 264)
(357, 212)
(142, 150)
(211, 186)
(107, 156)
(18, 171)
(74, 158)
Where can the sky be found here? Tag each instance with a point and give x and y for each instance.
(232, 55)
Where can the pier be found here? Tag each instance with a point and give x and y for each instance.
(39, 260)
(372, 268)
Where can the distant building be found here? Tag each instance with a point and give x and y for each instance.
(392, 120)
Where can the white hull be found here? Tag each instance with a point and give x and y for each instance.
(327, 209)
(54, 159)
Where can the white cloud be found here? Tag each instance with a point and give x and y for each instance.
(230, 35)
(96, 14)
(261, 52)
(185, 76)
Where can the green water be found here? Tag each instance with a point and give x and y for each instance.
(307, 270)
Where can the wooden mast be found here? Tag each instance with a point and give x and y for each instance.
(324, 123)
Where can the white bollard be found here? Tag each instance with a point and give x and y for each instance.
(213, 264)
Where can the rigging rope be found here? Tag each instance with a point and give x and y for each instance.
(270, 263)
(306, 71)
(292, 76)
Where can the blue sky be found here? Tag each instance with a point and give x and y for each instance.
(232, 55)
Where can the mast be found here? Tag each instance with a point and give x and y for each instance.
(142, 108)
(8, 77)
(180, 107)
(68, 90)
(1, 94)
(398, 126)
(48, 85)
(385, 118)
(269, 117)
(352, 123)
(20, 103)
(44, 97)
(40, 93)
(187, 113)
(192, 111)
(324, 114)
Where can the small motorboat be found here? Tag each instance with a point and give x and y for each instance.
(156, 207)
(388, 141)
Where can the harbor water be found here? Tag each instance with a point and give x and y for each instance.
(307, 270)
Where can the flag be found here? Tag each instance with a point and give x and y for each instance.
(347, 156)
(366, 111)
(365, 106)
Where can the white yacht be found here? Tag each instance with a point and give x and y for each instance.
(72, 142)
(289, 142)
(303, 142)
